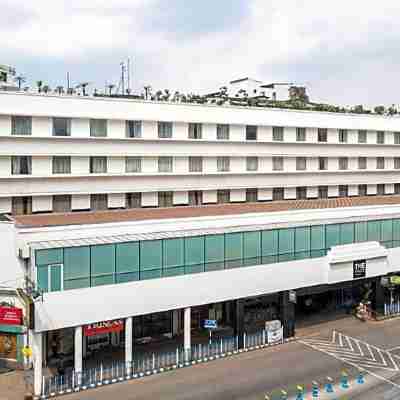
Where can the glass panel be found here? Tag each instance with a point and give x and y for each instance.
(360, 230)
(77, 283)
(76, 262)
(150, 255)
(173, 253)
(42, 278)
(396, 229)
(233, 249)
(174, 271)
(150, 274)
(49, 256)
(387, 230)
(286, 257)
(129, 277)
(214, 252)
(194, 254)
(102, 260)
(55, 278)
(374, 231)
(269, 242)
(346, 233)
(302, 239)
(127, 256)
(194, 269)
(318, 253)
(302, 255)
(103, 280)
(332, 235)
(317, 237)
(286, 241)
(252, 248)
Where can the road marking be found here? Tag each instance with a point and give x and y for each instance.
(394, 348)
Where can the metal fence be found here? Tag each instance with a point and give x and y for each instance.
(152, 363)
(392, 308)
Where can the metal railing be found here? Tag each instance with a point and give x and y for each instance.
(147, 364)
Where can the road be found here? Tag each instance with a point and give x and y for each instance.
(321, 351)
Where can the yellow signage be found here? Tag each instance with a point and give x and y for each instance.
(395, 280)
(27, 352)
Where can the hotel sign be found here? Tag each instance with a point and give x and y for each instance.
(100, 328)
(359, 269)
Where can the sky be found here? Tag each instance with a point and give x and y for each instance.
(345, 51)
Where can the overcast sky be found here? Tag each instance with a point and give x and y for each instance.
(345, 51)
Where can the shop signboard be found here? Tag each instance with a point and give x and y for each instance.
(274, 331)
(210, 324)
(10, 315)
(99, 328)
(395, 280)
(359, 269)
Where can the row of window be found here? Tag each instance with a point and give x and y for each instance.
(63, 203)
(22, 165)
(78, 267)
(22, 125)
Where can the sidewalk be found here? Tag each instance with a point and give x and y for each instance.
(12, 385)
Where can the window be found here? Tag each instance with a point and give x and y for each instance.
(62, 203)
(165, 130)
(49, 277)
(195, 164)
(98, 127)
(21, 125)
(380, 163)
(223, 132)
(61, 165)
(61, 126)
(343, 163)
(300, 134)
(380, 137)
(133, 129)
(301, 193)
(133, 164)
(277, 163)
(251, 132)
(194, 131)
(21, 205)
(164, 164)
(322, 192)
(362, 162)
(165, 199)
(223, 164)
(362, 190)
(21, 165)
(397, 188)
(133, 200)
(195, 197)
(252, 163)
(396, 136)
(98, 202)
(362, 136)
(323, 163)
(343, 191)
(342, 135)
(301, 163)
(322, 135)
(277, 133)
(397, 163)
(277, 194)
(98, 165)
(380, 189)
(223, 196)
(252, 195)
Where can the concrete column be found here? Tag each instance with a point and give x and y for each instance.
(128, 344)
(378, 301)
(84, 346)
(175, 322)
(37, 355)
(78, 352)
(187, 334)
(287, 314)
(238, 320)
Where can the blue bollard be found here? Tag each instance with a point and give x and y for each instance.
(315, 390)
(329, 385)
(344, 380)
(360, 378)
(300, 393)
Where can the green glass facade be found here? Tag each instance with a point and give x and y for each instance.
(78, 267)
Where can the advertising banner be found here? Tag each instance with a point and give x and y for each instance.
(99, 328)
(10, 315)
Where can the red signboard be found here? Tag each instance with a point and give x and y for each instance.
(10, 315)
(104, 327)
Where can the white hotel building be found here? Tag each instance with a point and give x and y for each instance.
(138, 210)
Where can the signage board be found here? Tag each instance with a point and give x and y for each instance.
(394, 280)
(359, 269)
(210, 324)
(275, 336)
(10, 315)
(99, 328)
(292, 296)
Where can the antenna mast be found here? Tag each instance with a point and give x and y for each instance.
(123, 78)
(129, 76)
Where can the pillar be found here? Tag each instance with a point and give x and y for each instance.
(378, 302)
(37, 355)
(238, 320)
(187, 321)
(287, 314)
(129, 345)
(175, 322)
(78, 353)
(84, 346)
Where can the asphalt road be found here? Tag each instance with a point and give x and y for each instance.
(322, 351)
